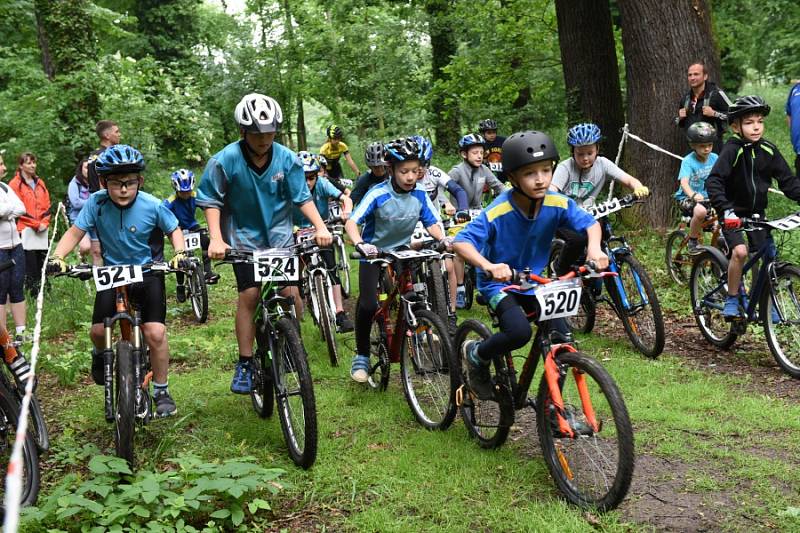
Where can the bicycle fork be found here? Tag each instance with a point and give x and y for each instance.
(552, 375)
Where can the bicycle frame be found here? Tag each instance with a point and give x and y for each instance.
(613, 266)
(393, 339)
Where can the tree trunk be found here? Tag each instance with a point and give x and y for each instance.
(443, 47)
(44, 45)
(589, 60)
(660, 40)
(302, 141)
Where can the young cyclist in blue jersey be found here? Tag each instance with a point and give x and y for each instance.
(388, 215)
(123, 218)
(183, 205)
(248, 190)
(473, 176)
(323, 192)
(516, 231)
(376, 174)
(695, 168)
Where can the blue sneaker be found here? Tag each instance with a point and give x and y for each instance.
(242, 379)
(461, 298)
(776, 318)
(731, 309)
(478, 376)
(359, 370)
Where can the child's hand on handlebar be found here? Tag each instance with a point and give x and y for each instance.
(598, 259)
(499, 272)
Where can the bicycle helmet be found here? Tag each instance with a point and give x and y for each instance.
(526, 147)
(402, 149)
(323, 163)
(701, 132)
(309, 161)
(374, 154)
(425, 148)
(583, 134)
(747, 105)
(256, 113)
(471, 139)
(334, 132)
(183, 180)
(487, 124)
(119, 159)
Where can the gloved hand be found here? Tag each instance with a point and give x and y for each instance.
(641, 192)
(178, 260)
(57, 265)
(366, 249)
(731, 221)
(448, 243)
(462, 216)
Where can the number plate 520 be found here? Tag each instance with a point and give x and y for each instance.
(559, 299)
(109, 277)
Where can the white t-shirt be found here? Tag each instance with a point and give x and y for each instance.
(584, 186)
(434, 183)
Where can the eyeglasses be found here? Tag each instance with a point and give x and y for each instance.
(118, 185)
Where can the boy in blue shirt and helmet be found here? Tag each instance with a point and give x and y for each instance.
(516, 231)
(123, 218)
(248, 191)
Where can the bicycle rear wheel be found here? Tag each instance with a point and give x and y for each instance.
(9, 417)
(487, 421)
(427, 370)
(326, 321)
(436, 290)
(344, 266)
(262, 393)
(593, 467)
(198, 293)
(38, 425)
(379, 352)
(679, 262)
(124, 402)
(638, 306)
(294, 392)
(708, 291)
(469, 286)
(782, 298)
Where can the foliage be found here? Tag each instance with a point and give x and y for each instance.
(194, 494)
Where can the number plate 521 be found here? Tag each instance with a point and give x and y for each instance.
(276, 265)
(109, 277)
(559, 299)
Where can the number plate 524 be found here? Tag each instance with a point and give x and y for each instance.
(109, 277)
(277, 265)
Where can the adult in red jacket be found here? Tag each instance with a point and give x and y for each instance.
(33, 225)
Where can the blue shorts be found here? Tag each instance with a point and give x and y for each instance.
(12, 281)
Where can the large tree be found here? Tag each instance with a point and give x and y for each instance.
(443, 48)
(589, 61)
(660, 40)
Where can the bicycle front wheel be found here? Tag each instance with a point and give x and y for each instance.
(38, 425)
(679, 262)
(198, 293)
(261, 395)
(124, 402)
(593, 466)
(428, 371)
(437, 295)
(294, 393)
(708, 290)
(9, 417)
(326, 321)
(638, 306)
(343, 266)
(780, 315)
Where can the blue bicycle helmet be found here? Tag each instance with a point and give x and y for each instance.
(119, 159)
(402, 149)
(309, 160)
(583, 134)
(183, 180)
(425, 148)
(471, 139)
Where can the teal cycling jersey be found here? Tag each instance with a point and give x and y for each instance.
(389, 217)
(324, 191)
(504, 234)
(255, 207)
(125, 233)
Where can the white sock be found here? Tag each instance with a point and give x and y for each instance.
(20, 330)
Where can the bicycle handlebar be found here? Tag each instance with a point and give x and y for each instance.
(436, 246)
(85, 271)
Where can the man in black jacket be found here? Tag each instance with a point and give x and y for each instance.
(704, 101)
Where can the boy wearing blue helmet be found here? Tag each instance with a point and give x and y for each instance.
(129, 218)
(183, 206)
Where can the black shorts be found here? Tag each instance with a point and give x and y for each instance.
(245, 276)
(149, 297)
(687, 207)
(755, 238)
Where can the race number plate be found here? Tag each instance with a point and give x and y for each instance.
(421, 235)
(334, 210)
(474, 213)
(786, 223)
(559, 299)
(496, 166)
(412, 254)
(276, 264)
(599, 211)
(305, 234)
(109, 277)
(191, 241)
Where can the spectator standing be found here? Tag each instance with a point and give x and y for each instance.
(704, 101)
(78, 193)
(793, 120)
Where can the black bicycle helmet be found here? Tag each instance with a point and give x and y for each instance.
(487, 124)
(746, 105)
(334, 132)
(701, 132)
(402, 149)
(526, 147)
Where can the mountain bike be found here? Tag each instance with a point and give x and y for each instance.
(126, 360)
(280, 365)
(470, 280)
(773, 298)
(196, 287)
(677, 256)
(630, 294)
(434, 273)
(584, 430)
(336, 227)
(417, 338)
(36, 424)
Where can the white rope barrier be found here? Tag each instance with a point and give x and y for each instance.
(14, 475)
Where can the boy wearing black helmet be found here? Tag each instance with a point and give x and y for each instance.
(493, 149)
(692, 178)
(738, 185)
(516, 231)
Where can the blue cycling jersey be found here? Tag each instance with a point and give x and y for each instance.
(389, 217)
(256, 208)
(184, 210)
(323, 192)
(125, 233)
(504, 234)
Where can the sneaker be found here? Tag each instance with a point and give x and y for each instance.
(731, 309)
(180, 293)
(776, 318)
(212, 278)
(452, 324)
(21, 370)
(576, 420)
(97, 368)
(343, 322)
(693, 247)
(461, 298)
(242, 382)
(478, 377)
(359, 370)
(165, 405)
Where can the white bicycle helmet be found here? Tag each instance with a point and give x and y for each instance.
(257, 113)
